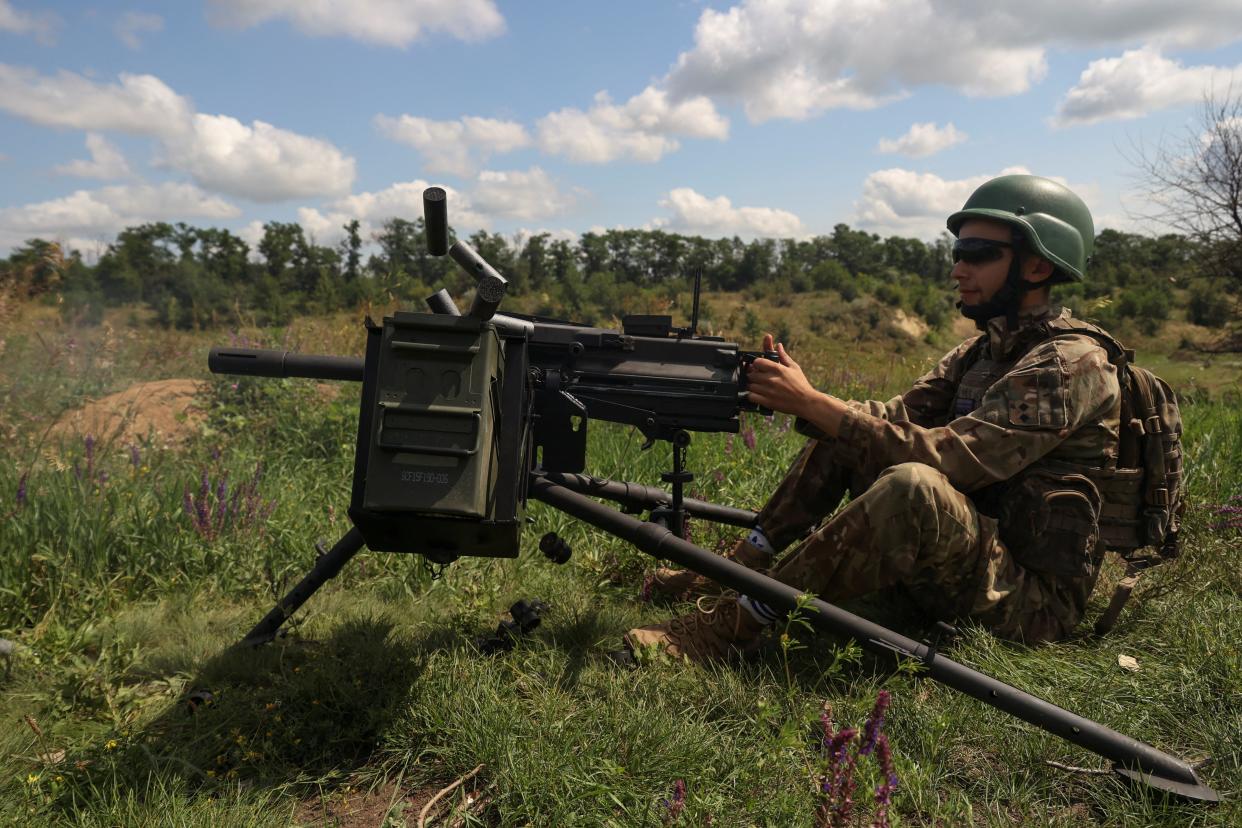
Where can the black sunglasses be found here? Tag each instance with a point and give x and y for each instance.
(978, 251)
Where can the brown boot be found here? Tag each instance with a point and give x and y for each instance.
(684, 583)
(710, 633)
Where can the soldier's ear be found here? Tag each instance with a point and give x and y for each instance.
(1038, 269)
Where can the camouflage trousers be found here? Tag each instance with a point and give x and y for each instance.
(909, 527)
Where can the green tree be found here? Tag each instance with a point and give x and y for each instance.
(594, 254)
(138, 265)
(535, 262)
(351, 252)
(1195, 183)
(225, 256)
(859, 251)
(35, 267)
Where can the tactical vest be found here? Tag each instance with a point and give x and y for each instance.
(1048, 517)
(1059, 517)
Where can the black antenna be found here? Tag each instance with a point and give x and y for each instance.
(694, 313)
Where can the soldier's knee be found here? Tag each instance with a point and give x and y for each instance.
(917, 480)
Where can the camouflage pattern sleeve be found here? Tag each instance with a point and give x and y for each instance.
(928, 400)
(1050, 393)
(926, 403)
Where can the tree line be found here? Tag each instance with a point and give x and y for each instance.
(194, 277)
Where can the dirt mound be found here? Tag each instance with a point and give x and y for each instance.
(910, 323)
(163, 410)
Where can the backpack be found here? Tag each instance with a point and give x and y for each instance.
(1143, 498)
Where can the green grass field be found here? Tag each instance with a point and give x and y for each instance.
(123, 606)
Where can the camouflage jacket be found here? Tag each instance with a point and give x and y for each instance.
(1015, 419)
(996, 405)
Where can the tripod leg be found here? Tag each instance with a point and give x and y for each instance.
(326, 567)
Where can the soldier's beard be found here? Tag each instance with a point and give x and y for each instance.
(998, 304)
(1005, 302)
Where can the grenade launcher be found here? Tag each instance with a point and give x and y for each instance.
(465, 416)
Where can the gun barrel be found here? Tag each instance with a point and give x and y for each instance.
(261, 362)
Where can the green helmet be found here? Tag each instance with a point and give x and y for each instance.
(1054, 221)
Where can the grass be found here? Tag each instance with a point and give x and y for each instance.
(124, 607)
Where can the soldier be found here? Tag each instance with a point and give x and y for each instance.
(970, 489)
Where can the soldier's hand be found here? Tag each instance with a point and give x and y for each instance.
(780, 386)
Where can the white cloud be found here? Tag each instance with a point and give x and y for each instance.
(454, 147)
(42, 25)
(907, 203)
(130, 26)
(922, 140)
(716, 217)
(108, 210)
(252, 234)
(138, 105)
(401, 200)
(903, 202)
(796, 58)
(644, 128)
(1138, 83)
(529, 195)
(106, 160)
(384, 22)
(260, 161)
(257, 161)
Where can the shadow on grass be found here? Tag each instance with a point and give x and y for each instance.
(295, 712)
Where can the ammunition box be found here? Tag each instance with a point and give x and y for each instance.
(430, 440)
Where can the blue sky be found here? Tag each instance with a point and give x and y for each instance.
(756, 117)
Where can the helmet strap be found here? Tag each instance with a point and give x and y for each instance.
(1008, 300)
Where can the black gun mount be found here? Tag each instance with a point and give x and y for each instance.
(463, 417)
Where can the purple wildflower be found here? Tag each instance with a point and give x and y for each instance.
(222, 503)
(825, 723)
(675, 804)
(201, 513)
(135, 459)
(748, 437)
(875, 722)
(729, 444)
(837, 783)
(20, 499)
(884, 792)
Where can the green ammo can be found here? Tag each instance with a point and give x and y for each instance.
(429, 441)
